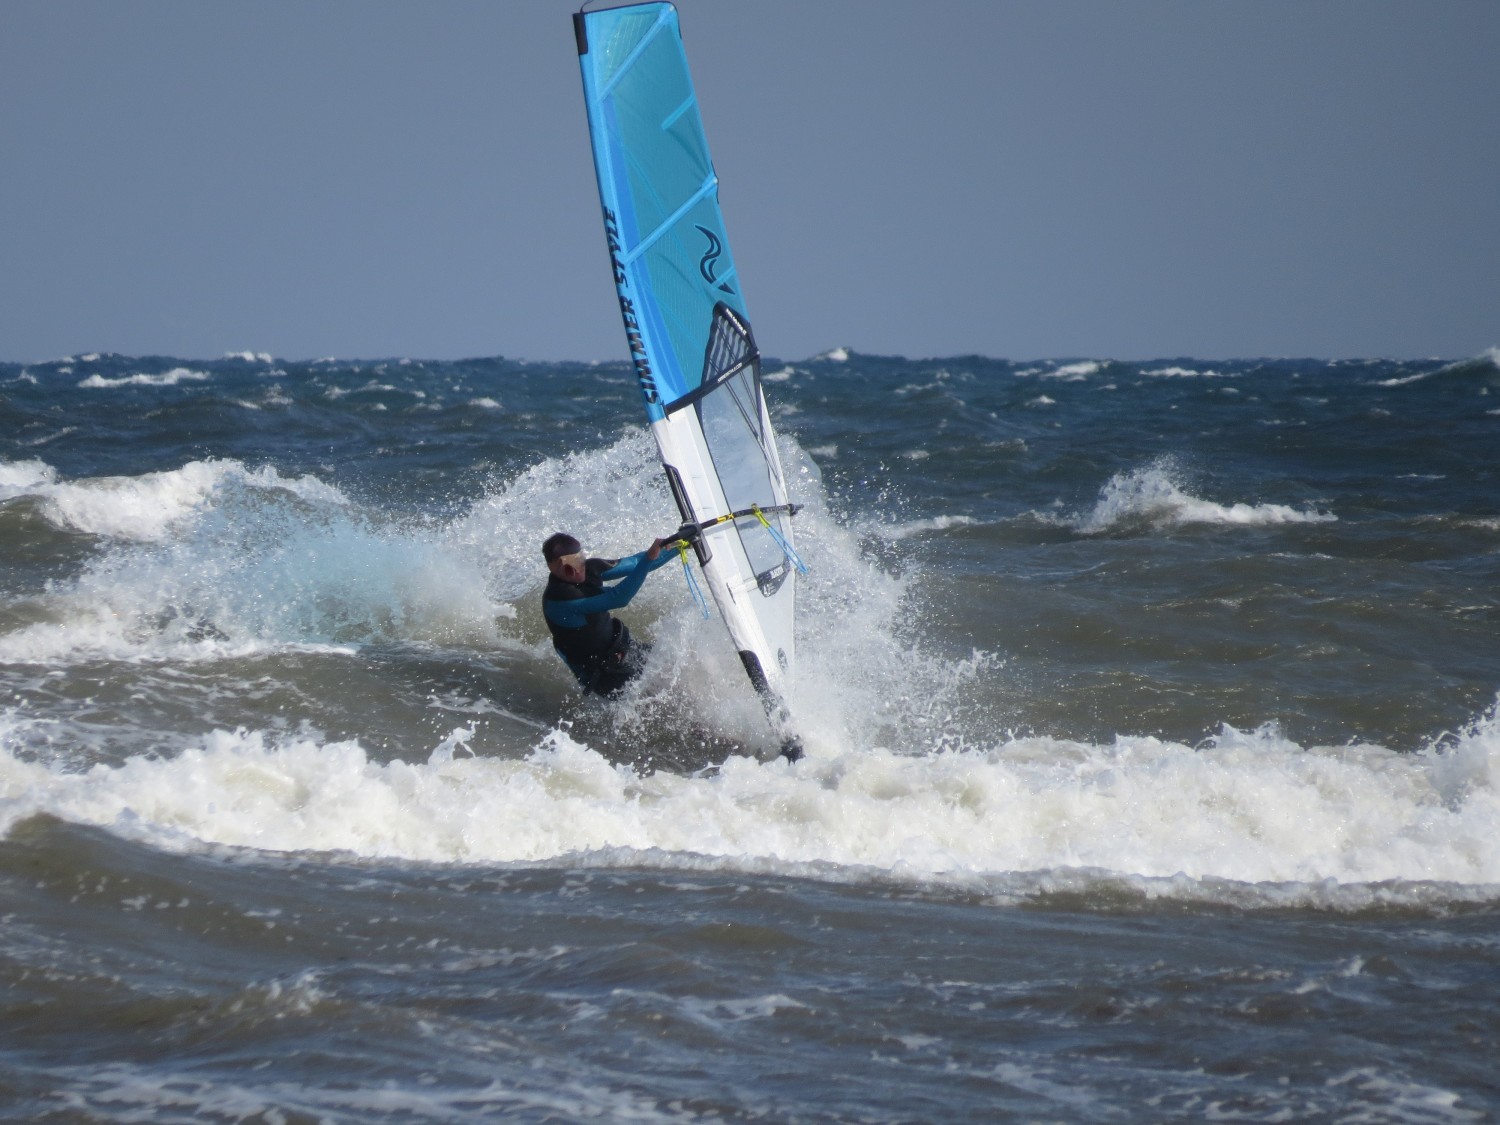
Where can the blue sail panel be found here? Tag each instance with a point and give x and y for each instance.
(671, 259)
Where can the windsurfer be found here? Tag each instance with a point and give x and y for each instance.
(594, 644)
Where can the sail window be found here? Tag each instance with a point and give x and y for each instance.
(731, 411)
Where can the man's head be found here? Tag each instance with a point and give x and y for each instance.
(564, 556)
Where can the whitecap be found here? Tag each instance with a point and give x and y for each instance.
(1248, 818)
(21, 478)
(1074, 372)
(1182, 373)
(164, 379)
(898, 531)
(144, 508)
(1151, 497)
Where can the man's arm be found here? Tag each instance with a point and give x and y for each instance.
(631, 572)
(628, 566)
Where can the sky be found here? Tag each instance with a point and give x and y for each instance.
(1023, 179)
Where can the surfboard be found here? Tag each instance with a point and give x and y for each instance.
(689, 334)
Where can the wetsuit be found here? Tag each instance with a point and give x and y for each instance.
(595, 645)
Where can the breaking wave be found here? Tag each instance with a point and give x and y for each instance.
(1152, 498)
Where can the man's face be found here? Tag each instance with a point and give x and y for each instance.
(569, 568)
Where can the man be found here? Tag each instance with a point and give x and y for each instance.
(595, 645)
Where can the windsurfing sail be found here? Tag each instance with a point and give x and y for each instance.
(687, 330)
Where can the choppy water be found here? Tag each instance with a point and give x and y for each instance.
(1153, 757)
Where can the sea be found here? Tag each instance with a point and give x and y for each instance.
(1150, 711)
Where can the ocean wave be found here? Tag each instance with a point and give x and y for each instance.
(1151, 498)
(214, 560)
(145, 508)
(1248, 819)
(1183, 373)
(1074, 372)
(1066, 372)
(24, 478)
(1483, 362)
(895, 532)
(163, 379)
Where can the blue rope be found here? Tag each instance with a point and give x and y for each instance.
(687, 572)
(786, 548)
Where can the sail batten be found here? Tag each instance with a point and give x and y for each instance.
(710, 185)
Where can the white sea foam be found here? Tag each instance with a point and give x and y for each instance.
(174, 1089)
(1067, 372)
(1250, 818)
(145, 508)
(163, 379)
(22, 478)
(1152, 498)
(1074, 372)
(250, 357)
(901, 782)
(1182, 373)
(214, 560)
(896, 532)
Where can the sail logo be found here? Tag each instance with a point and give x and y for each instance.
(612, 236)
(708, 265)
(638, 354)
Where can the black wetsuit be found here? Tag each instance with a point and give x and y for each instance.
(595, 645)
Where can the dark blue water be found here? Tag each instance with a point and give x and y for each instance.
(1153, 765)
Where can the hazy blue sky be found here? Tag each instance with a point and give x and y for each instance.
(1019, 178)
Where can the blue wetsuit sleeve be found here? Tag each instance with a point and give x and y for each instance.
(629, 565)
(632, 573)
